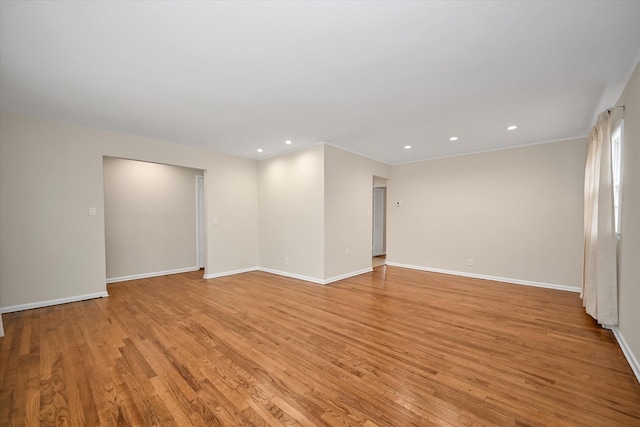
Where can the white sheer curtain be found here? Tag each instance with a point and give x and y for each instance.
(599, 280)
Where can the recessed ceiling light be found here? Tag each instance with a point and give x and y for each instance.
(260, 150)
(407, 147)
(453, 138)
(512, 127)
(288, 142)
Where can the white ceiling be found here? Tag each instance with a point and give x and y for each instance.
(370, 77)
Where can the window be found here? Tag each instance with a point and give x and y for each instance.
(616, 169)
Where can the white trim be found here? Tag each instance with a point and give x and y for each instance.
(426, 159)
(1, 327)
(304, 147)
(358, 154)
(484, 277)
(313, 279)
(626, 350)
(490, 150)
(288, 151)
(293, 275)
(48, 303)
(154, 274)
(229, 273)
(347, 275)
(198, 208)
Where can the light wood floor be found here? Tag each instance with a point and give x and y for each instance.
(390, 348)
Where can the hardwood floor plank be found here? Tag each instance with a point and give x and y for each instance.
(32, 393)
(393, 347)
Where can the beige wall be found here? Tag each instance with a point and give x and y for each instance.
(348, 202)
(314, 204)
(50, 174)
(291, 200)
(518, 213)
(150, 217)
(629, 245)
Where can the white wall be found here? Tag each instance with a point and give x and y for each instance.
(348, 204)
(291, 200)
(518, 213)
(51, 173)
(629, 245)
(150, 217)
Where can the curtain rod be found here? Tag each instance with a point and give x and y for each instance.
(609, 110)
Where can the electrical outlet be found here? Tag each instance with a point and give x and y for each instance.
(347, 252)
(286, 261)
(470, 261)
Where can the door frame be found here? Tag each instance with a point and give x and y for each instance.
(201, 218)
(383, 194)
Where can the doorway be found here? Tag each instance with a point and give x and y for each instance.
(151, 217)
(201, 231)
(379, 220)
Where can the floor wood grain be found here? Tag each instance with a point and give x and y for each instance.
(394, 347)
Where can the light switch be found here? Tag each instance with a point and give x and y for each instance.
(92, 211)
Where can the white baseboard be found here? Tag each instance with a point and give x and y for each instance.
(347, 275)
(155, 274)
(314, 279)
(293, 275)
(482, 276)
(48, 303)
(626, 350)
(229, 273)
(1, 327)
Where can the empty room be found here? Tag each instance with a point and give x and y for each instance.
(340, 213)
